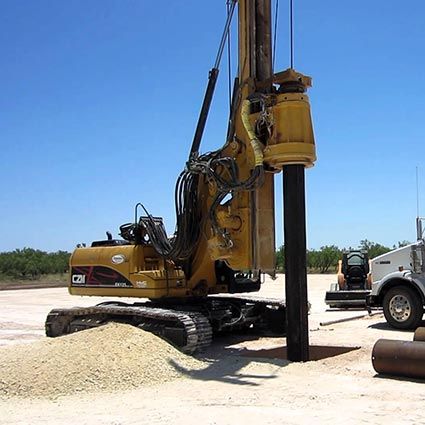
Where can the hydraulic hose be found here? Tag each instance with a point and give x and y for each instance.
(255, 143)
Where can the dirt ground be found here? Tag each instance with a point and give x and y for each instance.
(233, 388)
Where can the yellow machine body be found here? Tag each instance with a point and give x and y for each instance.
(127, 271)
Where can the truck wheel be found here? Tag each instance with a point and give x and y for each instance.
(403, 308)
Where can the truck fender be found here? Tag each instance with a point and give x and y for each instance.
(398, 279)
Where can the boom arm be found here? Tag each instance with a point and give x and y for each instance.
(271, 127)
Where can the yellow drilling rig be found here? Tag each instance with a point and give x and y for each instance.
(225, 228)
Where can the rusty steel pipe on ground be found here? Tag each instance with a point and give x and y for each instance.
(419, 334)
(348, 319)
(399, 358)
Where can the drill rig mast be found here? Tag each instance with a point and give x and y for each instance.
(225, 231)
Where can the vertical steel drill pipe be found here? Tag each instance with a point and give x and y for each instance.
(419, 334)
(399, 358)
(295, 263)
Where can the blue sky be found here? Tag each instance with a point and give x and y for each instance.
(99, 101)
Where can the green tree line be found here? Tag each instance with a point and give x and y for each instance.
(325, 259)
(28, 263)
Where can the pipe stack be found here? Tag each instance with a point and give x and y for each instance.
(419, 334)
(401, 358)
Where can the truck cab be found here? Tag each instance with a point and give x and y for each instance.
(398, 285)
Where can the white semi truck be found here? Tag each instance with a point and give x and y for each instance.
(398, 283)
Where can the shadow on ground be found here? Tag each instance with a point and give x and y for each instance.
(226, 362)
(399, 378)
(317, 352)
(384, 326)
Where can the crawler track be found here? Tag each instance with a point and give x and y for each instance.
(187, 325)
(190, 332)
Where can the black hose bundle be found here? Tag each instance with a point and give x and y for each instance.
(181, 246)
(224, 172)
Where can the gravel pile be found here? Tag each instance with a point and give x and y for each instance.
(107, 358)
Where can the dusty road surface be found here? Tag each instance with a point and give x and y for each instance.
(232, 387)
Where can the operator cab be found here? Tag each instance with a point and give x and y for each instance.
(109, 241)
(355, 268)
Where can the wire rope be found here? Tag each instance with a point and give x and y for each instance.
(276, 12)
(291, 31)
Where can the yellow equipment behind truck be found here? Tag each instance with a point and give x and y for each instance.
(354, 281)
(225, 230)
